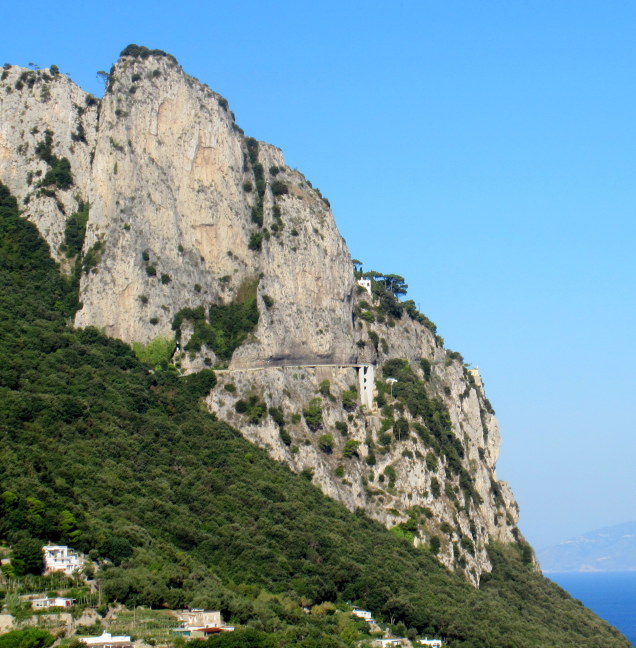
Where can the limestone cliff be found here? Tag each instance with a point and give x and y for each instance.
(188, 213)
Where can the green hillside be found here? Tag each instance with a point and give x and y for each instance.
(100, 453)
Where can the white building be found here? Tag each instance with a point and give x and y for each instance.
(196, 624)
(366, 284)
(61, 559)
(434, 643)
(44, 603)
(362, 614)
(107, 641)
(387, 643)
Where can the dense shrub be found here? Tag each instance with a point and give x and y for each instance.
(59, 172)
(313, 414)
(350, 398)
(256, 241)
(254, 409)
(139, 51)
(226, 326)
(279, 188)
(75, 230)
(156, 353)
(27, 638)
(350, 448)
(325, 443)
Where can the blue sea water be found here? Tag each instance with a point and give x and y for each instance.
(612, 595)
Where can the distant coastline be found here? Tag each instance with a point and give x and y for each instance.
(607, 550)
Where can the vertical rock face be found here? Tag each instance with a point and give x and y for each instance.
(172, 189)
(32, 103)
(186, 212)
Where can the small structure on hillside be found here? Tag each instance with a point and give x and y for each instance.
(58, 558)
(107, 640)
(362, 614)
(45, 603)
(366, 384)
(434, 643)
(366, 284)
(474, 372)
(388, 642)
(198, 624)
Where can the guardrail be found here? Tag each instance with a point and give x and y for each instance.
(298, 361)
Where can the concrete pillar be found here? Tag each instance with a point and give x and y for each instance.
(366, 385)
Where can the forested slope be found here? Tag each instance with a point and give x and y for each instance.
(115, 460)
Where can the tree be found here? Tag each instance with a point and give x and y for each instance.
(27, 557)
(103, 76)
(395, 284)
(401, 429)
(27, 638)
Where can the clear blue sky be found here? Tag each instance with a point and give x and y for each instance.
(484, 150)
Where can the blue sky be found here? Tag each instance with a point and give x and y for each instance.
(483, 150)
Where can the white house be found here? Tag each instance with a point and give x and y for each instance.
(434, 643)
(196, 624)
(387, 643)
(44, 603)
(366, 284)
(107, 640)
(61, 559)
(362, 614)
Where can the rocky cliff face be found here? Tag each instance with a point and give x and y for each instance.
(185, 213)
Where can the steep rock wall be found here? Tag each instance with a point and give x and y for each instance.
(184, 212)
(33, 102)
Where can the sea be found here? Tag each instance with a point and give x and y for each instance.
(612, 595)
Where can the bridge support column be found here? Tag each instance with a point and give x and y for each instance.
(366, 384)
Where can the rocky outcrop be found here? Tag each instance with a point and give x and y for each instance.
(356, 454)
(186, 212)
(32, 103)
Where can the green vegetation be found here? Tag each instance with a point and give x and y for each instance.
(253, 408)
(350, 448)
(190, 513)
(59, 173)
(75, 230)
(350, 398)
(342, 427)
(92, 257)
(313, 414)
(226, 327)
(325, 443)
(156, 353)
(256, 241)
(26, 553)
(279, 188)
(27, 638)
(139, 51)
(432, 423)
